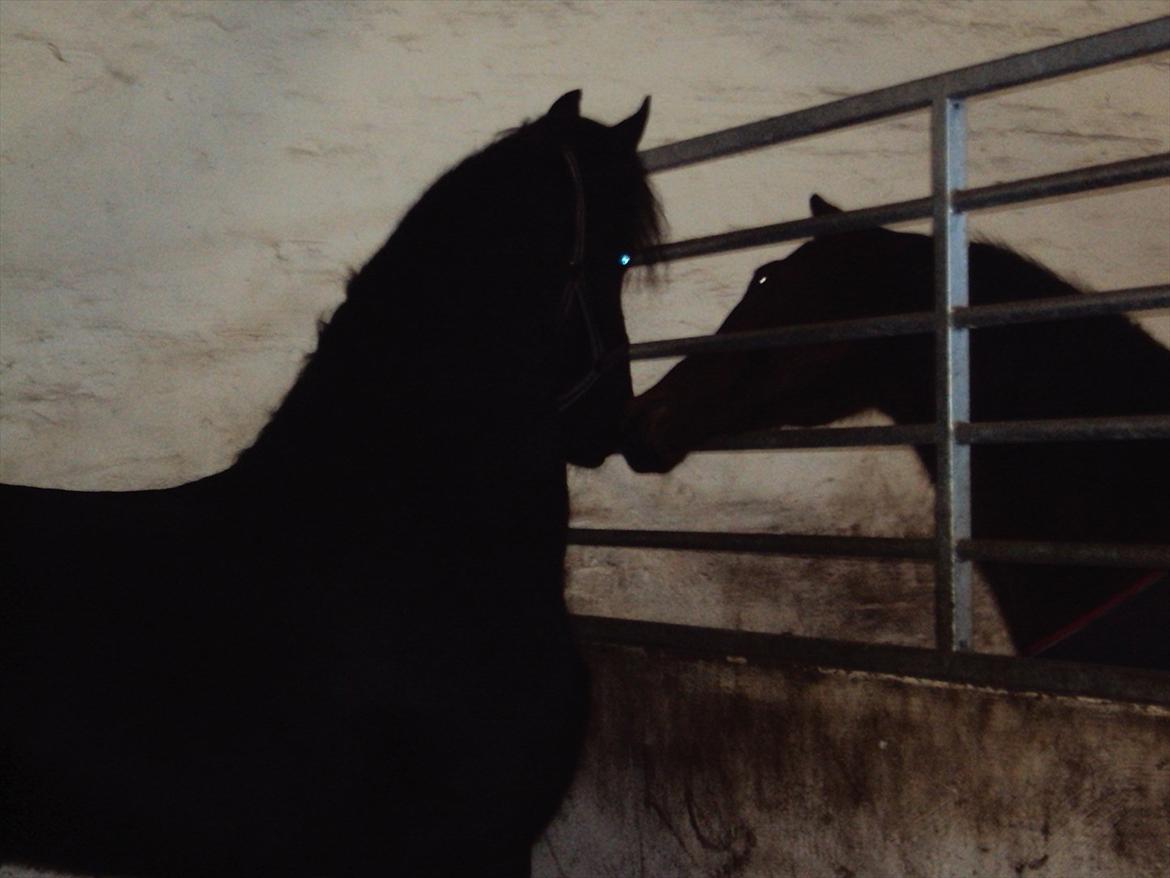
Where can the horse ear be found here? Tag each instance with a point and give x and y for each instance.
(820, 207)
(628, 132)
(566, 108)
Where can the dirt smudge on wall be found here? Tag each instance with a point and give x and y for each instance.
(710, 767)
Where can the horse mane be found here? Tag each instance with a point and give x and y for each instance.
(1109, 364)
(1037, 280)
(998, 273)
(426, 295)
(1103, 360)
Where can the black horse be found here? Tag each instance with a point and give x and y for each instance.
(1071, 491)
(348, 653)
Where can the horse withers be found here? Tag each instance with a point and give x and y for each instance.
(348, 653)
(1098, 491)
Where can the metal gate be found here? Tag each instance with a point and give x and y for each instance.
(952, 549)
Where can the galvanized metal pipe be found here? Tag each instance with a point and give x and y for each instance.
(918, 322)
(1125, 427)
(791, 230)
(952, 489)
(1142, 556)
(784, 336)
(1110, 47)
(1085, 179)
(1065, 307)
(824, 437)
(755, 543)
(1154, 557)
(999, 672)
(1066, 183)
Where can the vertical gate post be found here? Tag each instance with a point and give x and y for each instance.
(952, 376)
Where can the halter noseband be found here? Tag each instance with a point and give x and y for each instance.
(600, 358)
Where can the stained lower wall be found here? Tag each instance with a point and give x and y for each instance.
(718, 768)
(721, 768)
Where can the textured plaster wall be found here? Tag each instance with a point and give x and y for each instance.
(183, 187)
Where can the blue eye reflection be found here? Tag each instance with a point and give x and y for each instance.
(624, 259)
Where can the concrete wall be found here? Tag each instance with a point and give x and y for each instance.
(715, 767)
(183, 187)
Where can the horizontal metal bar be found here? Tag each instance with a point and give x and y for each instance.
(791, 230)
(1052, 61)
(990, 671)
(1065, 429)
(824, 437)
(918, 322)
(785, 336)
(1075, 554)
(1014, 192)
(979, 433)
(1065, 183)
(1150, 556)
(755, 543)
(1064, 307)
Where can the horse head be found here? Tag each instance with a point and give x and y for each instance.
(614, 214)
(503, 282)
(833, 277)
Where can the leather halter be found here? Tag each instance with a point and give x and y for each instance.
(600, 358)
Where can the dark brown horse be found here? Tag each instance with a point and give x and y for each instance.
(349, 653)
(1070, 491)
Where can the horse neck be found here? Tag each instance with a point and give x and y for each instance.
(1085, 367)
(400, 412)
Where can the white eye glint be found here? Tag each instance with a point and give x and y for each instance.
(762, 279)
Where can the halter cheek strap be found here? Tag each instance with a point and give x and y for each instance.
(599, 359)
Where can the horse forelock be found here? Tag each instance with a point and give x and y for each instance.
(634, 209)
(478, 206)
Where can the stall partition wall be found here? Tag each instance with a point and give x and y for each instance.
(952, 549)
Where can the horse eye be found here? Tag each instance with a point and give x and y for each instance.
(763, 277)
(624, 259)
